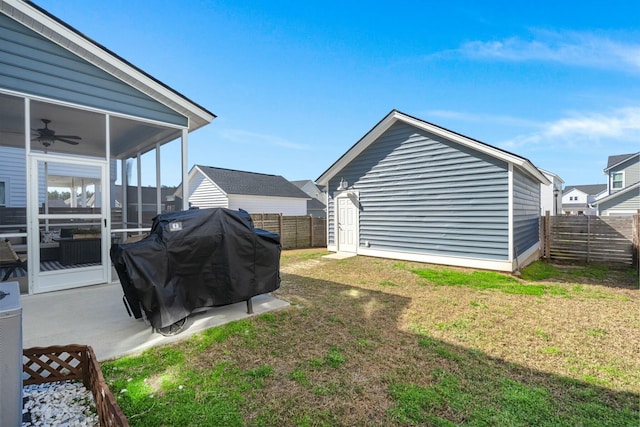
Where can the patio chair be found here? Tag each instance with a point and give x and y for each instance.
(9, 259)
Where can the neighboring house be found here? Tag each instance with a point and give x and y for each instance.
(551, 194)
(211, 187)
(415, 191)
(623, 180)
(317, 205)
(70, 112)
(581, 199)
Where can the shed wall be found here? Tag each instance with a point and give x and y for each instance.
(423, 194)
(526, 212)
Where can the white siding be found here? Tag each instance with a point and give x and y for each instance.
(204, 194)
(287, 206)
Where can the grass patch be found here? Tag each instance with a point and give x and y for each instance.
(483, 280)
(465, 349)
(539, 270)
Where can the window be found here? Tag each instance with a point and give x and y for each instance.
(3, 197)
(617, 180)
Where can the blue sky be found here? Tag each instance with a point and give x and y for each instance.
(296, 83)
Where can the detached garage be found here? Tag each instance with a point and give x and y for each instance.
(415, 191)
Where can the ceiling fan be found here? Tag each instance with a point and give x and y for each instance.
(48, 136)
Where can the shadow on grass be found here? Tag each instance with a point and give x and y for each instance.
(337, 356)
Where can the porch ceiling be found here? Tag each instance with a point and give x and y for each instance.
(128, 137)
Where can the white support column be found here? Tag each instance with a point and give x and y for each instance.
(33, 241)
(185, 171)
(125, 185)
(158, 182)
(139, 172)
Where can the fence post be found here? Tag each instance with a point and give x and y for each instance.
(281, 228)
(588, 239)
(547, 235)
(311, 231)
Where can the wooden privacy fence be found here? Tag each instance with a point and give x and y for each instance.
(589, 238)
(296, 232)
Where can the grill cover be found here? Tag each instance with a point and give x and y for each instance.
(196, 258)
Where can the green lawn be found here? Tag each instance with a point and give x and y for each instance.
(373, 342)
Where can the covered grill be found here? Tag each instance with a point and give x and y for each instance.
(193, 259)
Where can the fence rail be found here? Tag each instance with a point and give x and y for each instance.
(296, 232)
(591, 238)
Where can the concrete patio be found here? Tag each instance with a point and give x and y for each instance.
(96, 316)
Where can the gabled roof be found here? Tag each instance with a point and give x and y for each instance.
(619, 158)
(42, 22)
(395, 116)
(250, 183)
(625, 190)
(590, 189)
(315, 204)
(554, 175)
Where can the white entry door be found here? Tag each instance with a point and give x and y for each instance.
(347, 225)
(68, 234)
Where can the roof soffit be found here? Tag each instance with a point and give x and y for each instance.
(90, 51)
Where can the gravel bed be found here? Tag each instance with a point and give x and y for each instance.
(58, 404)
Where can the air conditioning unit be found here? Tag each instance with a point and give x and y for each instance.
(10, 355)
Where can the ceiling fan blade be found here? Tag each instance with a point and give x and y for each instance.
(67, 136)
(68, 141)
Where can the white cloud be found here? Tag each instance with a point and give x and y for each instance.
(619, 125)
(571, 48)
(248, 137)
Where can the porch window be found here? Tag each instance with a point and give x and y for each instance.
(617, 180)
(3, 197)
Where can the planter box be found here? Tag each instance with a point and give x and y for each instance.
(79, 251)
(73, 362)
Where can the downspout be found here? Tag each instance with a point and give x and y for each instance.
(510, 215)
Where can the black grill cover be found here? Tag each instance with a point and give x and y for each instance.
(196, 258)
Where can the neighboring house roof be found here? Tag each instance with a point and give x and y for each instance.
(251, 183)
(395, 115)
(315, 205)
(590, 189)
(42, 22)
(554, 175)
(625, 190)
(619, 158)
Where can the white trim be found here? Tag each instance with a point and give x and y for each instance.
(510, 210)
(395, 116)
(611, 175)
(345, 195)
(68, 39)
(439, 259)
(7, 190)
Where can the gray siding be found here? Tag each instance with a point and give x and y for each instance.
(526, 212)
(631, 169)
(426, 195)
(31, 64)
(14, 176)
(629, 201)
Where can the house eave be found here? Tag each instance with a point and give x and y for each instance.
(39, 20)
(607, 169)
